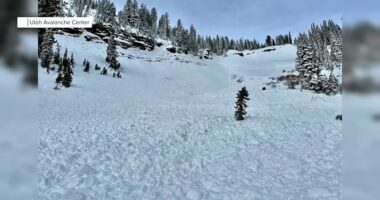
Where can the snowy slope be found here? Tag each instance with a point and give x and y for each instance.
(166, 130)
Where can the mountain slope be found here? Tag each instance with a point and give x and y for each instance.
(166, 130)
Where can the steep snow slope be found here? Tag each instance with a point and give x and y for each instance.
(166, 130)
(262, 64)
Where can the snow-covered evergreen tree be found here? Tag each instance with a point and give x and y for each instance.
(268, 41)
(47, 49)
(144, 20)
(307, 64)
(153, 18)
(58, 80)
(313, 55)
(87, 67)
(290, 38)
(178, 34)
(47, 8)
(112, 54)
(163, 28)
(67, 71)
(193, 45)
(241, 104)
(336, 47)
(334, 86)
(123, 14)
(133, 14)
(105, 13)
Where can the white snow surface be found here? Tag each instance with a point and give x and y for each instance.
(166, 130)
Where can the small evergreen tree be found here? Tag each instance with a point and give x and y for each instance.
(132, 11)
(112, 54)
(97, 67)
(268, 41)
(153, 18)
(193, 46)
(111, 49)
(105, 12)
(104, 71)
(87, 68)
(336, 48)
(241, 104)
(58, 81)
(333, 84)
(67, 71)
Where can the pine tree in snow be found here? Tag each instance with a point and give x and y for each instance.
(153, 18)
(163, 28)
(87, 67)
(47, 49)
(65, 60)
(307, 64)
(58, 80)
(105, 12)
(268, 41)
(179, 36)
(336, 48)
(111, 48)
(67, 71)
(333, 84)
(313, 55)
(145, 21)
(133, 14)
(112, 54)
(127, 12)
(241, 104)
(193, 46)
(122, 18)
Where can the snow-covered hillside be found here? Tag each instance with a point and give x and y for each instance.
(166, 130)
